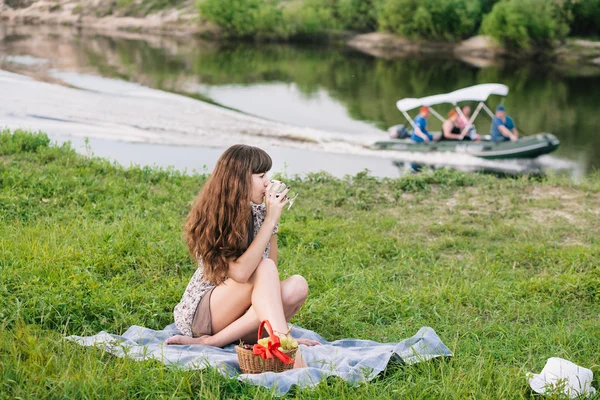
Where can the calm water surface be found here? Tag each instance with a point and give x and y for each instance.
(329, 88)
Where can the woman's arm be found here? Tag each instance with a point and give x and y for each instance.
(241, 269)
(447, 130)
(274, 250)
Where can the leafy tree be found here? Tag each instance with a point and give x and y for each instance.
(585, 17)
(360, 15)
(430, 19)
(524, 24)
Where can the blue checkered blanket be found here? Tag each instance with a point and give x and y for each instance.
(350, 359)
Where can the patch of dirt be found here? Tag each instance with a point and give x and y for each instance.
(452, 256)
(564, 215)
(479, 51)
(389, 45)
(571, 204)
(545, 192)
(586, 43)
(487, 205)
(573, 216)
(451, 203)
(571, 241)
(578, 53)
(471, 212)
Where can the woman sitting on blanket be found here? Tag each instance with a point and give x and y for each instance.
(231, 232)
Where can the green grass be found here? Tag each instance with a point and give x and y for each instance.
(506, 271)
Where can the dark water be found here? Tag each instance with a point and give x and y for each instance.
(332, 88)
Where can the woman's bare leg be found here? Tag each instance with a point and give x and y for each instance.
(293, 292)
(292, 297)
(264, 292)
(271, 299)
(249, 323)
(299, 361)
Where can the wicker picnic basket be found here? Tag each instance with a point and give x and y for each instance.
(251, 363)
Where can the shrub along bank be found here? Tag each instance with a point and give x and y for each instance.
(520, 24)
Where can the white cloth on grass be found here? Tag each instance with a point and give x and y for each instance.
(350, 359)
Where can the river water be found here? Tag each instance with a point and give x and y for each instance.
(328, 101)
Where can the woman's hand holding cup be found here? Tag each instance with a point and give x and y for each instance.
(275, 199)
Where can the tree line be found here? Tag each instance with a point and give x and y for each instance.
(518, 24)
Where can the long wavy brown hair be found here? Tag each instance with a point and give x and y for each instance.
(216, 230)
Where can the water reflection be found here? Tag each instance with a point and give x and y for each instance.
(501, 168)
(323, 87)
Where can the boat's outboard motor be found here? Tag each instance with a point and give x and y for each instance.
(398, 132)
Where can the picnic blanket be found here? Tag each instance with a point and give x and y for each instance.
(350, 359)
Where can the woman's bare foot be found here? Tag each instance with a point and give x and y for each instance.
(180, 339)
(308, 342)
(299, 362)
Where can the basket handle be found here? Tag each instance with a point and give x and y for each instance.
(273, 347)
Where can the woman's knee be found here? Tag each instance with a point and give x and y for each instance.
(265, 268)
(294, 291)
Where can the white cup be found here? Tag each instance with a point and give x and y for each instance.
(282, 187)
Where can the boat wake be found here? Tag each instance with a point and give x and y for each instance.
(103, 108)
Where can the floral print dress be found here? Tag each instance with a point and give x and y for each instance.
(198, 286)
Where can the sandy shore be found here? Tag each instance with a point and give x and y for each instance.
(88, 14)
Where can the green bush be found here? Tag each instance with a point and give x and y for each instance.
(22, 142)
(516, 23)
(242, 17)
(269, 18)
(523, 24)
(585, 18)
(487, 5)
(430, 19)
(359, 15)
(308, 17)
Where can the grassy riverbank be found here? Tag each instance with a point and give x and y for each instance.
(506, 272)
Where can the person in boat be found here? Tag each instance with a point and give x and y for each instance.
(503, 128)
(419, 132)
(451, 130)
(398, 132)
(464, 122)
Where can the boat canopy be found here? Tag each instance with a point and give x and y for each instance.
(472, 93)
